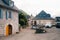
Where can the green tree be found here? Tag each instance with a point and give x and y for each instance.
(22, 19)
(22, 22)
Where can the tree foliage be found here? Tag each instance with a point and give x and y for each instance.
(22, 19)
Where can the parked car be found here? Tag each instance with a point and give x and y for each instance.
(40, 31)
(58, 25)
(57, 22)
(48, 25)
(34, 27)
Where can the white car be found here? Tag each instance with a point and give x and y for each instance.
(34, 27)
(48, 25)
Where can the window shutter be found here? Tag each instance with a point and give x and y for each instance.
(6, 14)
(10, 14)
(1, 14)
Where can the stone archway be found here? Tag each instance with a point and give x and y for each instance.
(8, 30)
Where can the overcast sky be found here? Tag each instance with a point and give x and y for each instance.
(35, 6)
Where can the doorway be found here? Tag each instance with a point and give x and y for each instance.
(8, 30)
(35, 23)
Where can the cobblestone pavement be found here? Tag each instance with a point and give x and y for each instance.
(28, 34)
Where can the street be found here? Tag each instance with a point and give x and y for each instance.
(29, 34)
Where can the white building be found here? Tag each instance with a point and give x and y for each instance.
(43, 18)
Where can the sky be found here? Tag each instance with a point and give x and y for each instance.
(36, 6)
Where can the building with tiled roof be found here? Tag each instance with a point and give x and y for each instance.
(8, 18)
(43, 18)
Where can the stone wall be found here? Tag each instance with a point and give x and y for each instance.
(13, 21)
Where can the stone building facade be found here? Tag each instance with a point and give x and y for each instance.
(8, 18)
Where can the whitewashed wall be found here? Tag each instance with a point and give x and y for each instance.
(40, 22)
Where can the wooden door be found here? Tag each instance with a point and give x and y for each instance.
(8, 30)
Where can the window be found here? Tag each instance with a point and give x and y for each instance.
(1, 13)
(11, 3)
(6, 14)
(10, 14)
(6, 2)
